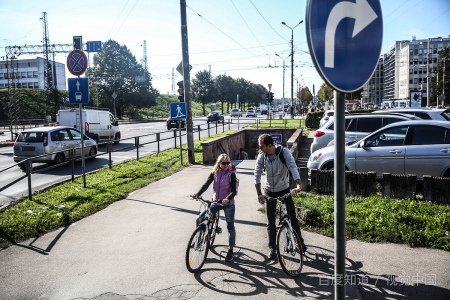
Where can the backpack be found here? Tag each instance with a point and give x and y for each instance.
(280, 155)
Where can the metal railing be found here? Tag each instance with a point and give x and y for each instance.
(27, 164)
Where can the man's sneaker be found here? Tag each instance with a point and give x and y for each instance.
(218, 230)
(230, 255)
(272, 254)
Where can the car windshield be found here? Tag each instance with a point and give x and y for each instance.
(31, 137)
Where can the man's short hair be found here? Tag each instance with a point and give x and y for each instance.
(241, 149)
(266, 139)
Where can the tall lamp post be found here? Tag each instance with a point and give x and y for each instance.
(292, 65)
(283, 76)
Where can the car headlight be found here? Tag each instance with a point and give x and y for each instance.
(315, 156)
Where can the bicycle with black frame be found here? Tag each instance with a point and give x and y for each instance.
(288, 243)
(202, 239)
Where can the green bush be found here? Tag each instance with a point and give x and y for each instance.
(313, 119)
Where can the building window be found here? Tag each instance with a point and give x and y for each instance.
(434, 59)
(425, 51)
(36, 85)
(30, 85)
(416, 61)
(425, 80)
(410, 61)
(420, 61)
(434, 50)
(439, 49)
(420, 70)
(24, 74)
(420, 51)
(30, 74)
(35, 74)
(424, 70)
(416, 51)
(415, 70)
(415, 80)
(1, 76)
(410, 81)
(381, 80)
(411, 51)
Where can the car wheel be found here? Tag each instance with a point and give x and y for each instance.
(329, 166)
(59, 158)
(117, 138)
(93, 152)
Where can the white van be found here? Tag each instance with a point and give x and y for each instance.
(99, 124)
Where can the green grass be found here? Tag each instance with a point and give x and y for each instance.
(378, 219)
(277, 123)
(26, 219)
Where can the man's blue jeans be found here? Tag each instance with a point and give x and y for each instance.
(229, 217)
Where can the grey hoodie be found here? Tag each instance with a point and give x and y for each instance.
(277, 174)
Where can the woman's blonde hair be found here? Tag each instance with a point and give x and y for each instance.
(222, 157)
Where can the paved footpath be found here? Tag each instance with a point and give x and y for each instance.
(135, 249)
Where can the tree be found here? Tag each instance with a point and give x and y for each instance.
(116, 71)
(202, 88)
(325, 93)
(438, 79)
(355, 95)
(225, 89)
(306, 96)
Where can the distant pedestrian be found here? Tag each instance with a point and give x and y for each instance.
(242, 154)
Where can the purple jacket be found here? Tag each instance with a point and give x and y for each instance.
(223, 188)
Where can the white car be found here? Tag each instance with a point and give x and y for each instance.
(417, 147)
(326, 116)
(236, 112)
(356, 127)
(425, 113)
(250, 113)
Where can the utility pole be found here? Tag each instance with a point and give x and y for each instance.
(428, 73)
(187, 83)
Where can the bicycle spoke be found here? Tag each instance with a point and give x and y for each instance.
(290, 256)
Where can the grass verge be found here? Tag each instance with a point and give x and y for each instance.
(277, 123)
(378, 219)
(69, 202)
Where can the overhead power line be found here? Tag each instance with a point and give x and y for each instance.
(117, 19)
(248, 26)
(126, 18)
(267, 22)
(223, 32)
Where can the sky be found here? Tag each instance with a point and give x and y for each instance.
(238, 38)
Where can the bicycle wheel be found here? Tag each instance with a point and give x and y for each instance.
(214, 229)
(197, 250)
(291, 261)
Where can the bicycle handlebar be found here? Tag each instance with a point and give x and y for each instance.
(280, 198)
(207, 201)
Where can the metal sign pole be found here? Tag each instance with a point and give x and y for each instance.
(82, 145)
(339, 195)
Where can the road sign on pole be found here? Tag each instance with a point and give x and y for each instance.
(77, 62)
(94, 46)
(345, 40)
(178, 110)
(180, 68)
(78, 90)
(270, 86)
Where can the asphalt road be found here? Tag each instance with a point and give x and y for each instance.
(14, 183)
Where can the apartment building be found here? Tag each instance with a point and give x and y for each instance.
(373, 91)
(31, 74)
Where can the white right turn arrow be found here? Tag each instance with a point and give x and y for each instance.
(361, 11)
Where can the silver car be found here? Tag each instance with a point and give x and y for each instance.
(411, 147)
(47, 140)
(356, 127)
(236, 112)
(425, 113)
(326, 116)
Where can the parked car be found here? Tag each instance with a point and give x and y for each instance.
(173, 123)
(425, 113)
(274, 109)
(99, 124)
(409, 147)
(250, 113)
(356, 127)
(236, 112)
(46, 140)
(264, 112)
(258, 110)
(326, 116)
(214, 116)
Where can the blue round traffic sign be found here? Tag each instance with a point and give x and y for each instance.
(76, 62)
(345, 40)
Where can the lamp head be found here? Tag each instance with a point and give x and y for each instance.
(283, 23)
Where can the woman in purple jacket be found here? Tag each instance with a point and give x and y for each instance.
(224, 178)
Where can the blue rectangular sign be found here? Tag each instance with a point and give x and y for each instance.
(78, 90)
(178, 110)
(276, 138)
(94, 46)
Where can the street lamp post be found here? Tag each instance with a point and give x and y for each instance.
(283, 76)
(292, 65)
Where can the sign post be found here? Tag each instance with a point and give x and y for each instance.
(78, 91)
(346, 66)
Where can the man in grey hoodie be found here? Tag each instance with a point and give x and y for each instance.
(277, 184)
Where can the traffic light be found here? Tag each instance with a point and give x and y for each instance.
(180, 91)
(270, 96)
(77, 43)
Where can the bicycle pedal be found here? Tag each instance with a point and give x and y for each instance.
(218, 230)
